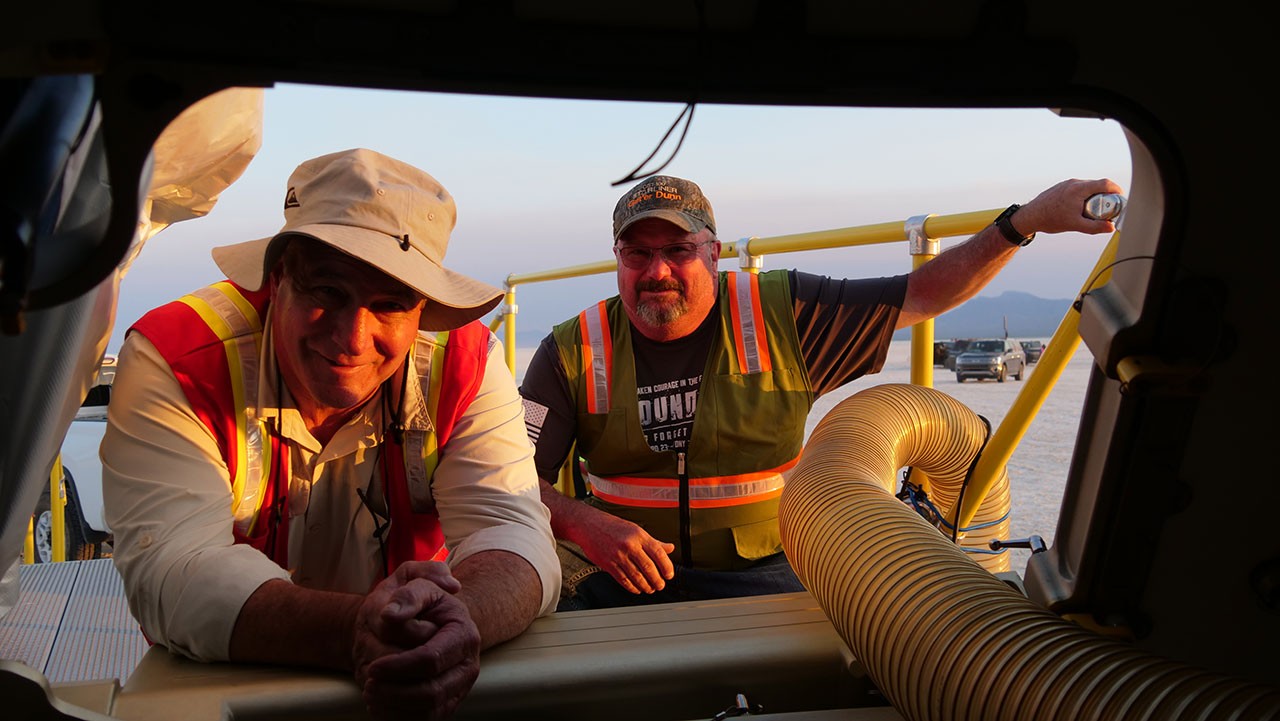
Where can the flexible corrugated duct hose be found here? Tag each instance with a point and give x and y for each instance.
(940, 635)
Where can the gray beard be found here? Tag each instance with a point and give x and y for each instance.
(660, 314)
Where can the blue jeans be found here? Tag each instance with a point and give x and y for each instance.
(771, 574)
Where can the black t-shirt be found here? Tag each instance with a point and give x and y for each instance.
(845, 327)
(668, 376)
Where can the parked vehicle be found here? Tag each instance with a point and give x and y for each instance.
(1033, 349)
(945, 352)
(991, 358)
(940, 352)
(86, 531)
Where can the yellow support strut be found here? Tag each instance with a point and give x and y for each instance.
(1061, 347)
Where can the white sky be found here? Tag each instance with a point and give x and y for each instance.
(531, 178)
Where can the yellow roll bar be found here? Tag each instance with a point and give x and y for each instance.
(922, 233)
(1063, 345)
(57, 508)
(921, 230)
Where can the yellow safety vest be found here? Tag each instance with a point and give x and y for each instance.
(719, 498)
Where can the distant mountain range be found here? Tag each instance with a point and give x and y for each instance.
(1028, 316)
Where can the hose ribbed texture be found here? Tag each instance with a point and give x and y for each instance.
(944, 437)
(941, 637)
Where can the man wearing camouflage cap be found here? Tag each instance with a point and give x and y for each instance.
(686, 394)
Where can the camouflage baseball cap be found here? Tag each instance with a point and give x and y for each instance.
(675, 200)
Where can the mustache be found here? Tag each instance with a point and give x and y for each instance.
(658, 286)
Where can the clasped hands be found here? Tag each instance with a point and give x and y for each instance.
(416, 651)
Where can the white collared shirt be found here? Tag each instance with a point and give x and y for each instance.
(168, 498)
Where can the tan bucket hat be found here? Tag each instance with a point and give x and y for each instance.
(380, 211)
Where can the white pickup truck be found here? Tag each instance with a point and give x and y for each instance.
(87, 534)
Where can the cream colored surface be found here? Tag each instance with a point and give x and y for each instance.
(673, 661)
(169, 500)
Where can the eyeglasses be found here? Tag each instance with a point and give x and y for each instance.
(638, 257)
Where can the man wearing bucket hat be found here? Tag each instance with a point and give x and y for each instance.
(331, 419)
(682, 506)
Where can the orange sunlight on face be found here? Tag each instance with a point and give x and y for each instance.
(340, 328)
(666, 301)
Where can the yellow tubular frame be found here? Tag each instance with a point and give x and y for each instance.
(1061, 346)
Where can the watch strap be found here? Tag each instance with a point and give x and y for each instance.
(1004, 224)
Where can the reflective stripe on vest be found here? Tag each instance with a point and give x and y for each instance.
(716, 492)
(751, 348)
(597, 356)
(422, 450)
(750, 354)
(233, 318)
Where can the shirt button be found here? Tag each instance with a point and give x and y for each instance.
(145, 541)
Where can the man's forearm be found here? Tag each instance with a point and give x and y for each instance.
(567, 514)
(955, 276)
(286, 624)
(958, 274)
(502, 592)
(282, 623)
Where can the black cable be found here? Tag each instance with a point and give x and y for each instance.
(396, 424)
(281, 476)
(1088, 288)
(632, 176)
(700, 54)
(955, 524)
(381, 521)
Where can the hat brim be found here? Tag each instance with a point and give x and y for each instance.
(455, 299)
(675, 217)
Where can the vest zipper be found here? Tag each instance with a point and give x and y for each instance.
(686, 537)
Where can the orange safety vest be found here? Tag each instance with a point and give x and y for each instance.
(211, 340)
(718, 501)
(750, 354)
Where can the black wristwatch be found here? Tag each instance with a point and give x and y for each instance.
(1005, 226)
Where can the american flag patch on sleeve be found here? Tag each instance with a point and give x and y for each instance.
(535, 414)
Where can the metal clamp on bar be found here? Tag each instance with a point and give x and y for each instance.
(508, 309)
(746, 261)
(920, 242)
(1034, 543)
